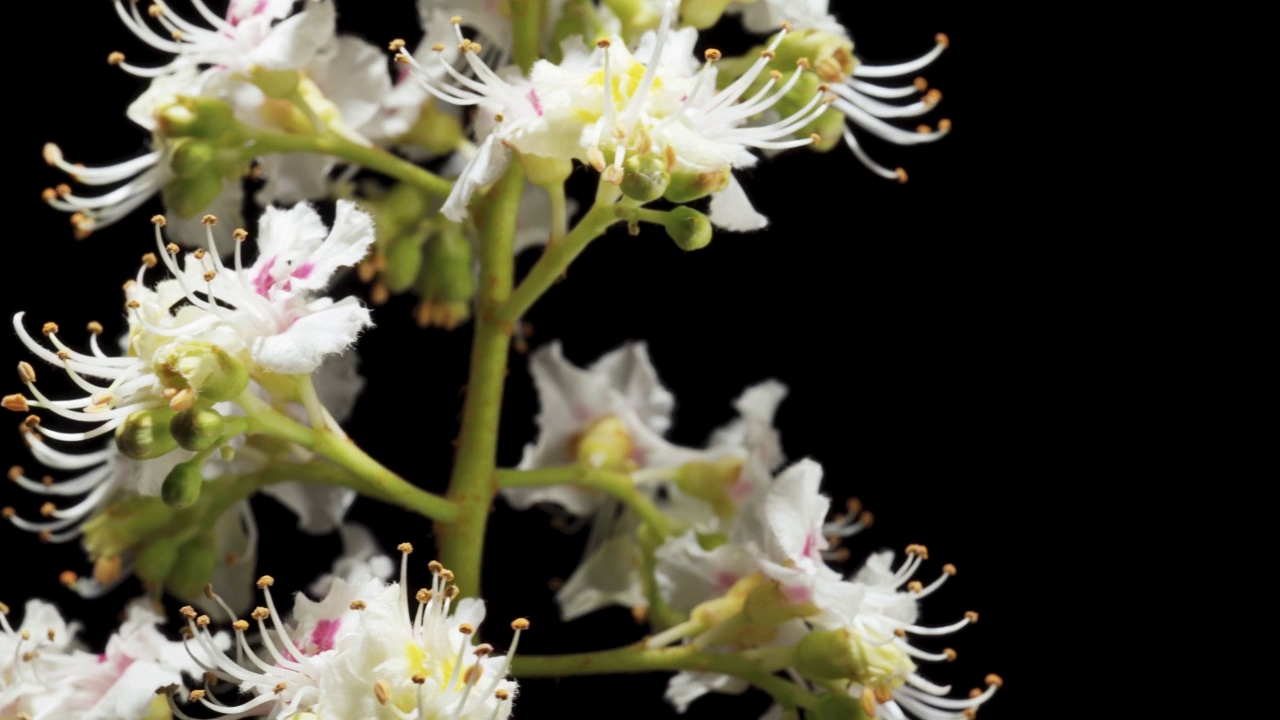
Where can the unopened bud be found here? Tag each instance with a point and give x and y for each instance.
(645, 178)
(145, 434)
(690, 229)
(195, 117)
(191, 158)
(189, 196)
(199, 428)
(197, 560)
(181, 488)
(703, 13)
(204, 367)
(546, 172)
(689, 186)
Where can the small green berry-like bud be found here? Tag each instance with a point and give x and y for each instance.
(646, 178)
(199, 428)
(154, 561)
(194, 568)
(404, 260)
(827, 655)
(436, 131)
(145, 434)
(189, 196)
(447, 283)
(204, 367)
(181, 488)
(689, 186)
(689, 228)
(190, 157)
(195, 117)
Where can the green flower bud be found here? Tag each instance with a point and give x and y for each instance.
(702, 14)
(827, 655)
(447, 283)
(546, 172)
(207, 369)
(195, 117)
(190, 158)
(144, 435)
(404, 259)
(689, 186)
(689, 228)
(189, 196)
(436, 131)
(645, 178)
(279, 84)
(837, 706)
(181, 488)
(153, 561)
(194, 568)
(711, 483)
(636, 16)
(198, 428)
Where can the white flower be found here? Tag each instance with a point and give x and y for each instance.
(602, 106)
(45, 674)
(361, 560)
(363, 652)
(765, 16)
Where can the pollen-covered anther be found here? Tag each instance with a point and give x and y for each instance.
(438, 47)
(15, 472)
(472, 675)
(63, 355)
(382, 691)
(775, 75)
(357, 605)
(266, 581)
(197, 695)
(209, 220)
(883, 694)
(596, 159)
(815, 138)
(187, 612)
(418, 679)
(520, 624)
(933, 97)
(435, 566)
(260, 613)
(995, 680)
(396, 45)
(203, 621)
(150, 260)
(48, 509)
(16, 402)
(240, 626)
(949, 569)
(901, 173)
(466, 629)
(453, 592)
(28, 423)
(45, 536)
(48, 195)
(240, 234)
(446, 575)
(7, 513)
(869, 702)
(950, 653)
(210, 275)
(456, 19)
(134, 305)
(768, 54)
(786, 26)
(804, 63)
(502, 694)
(159, 220)
(115, 58)
(712, 55)
(280, 687)
(177, 35)
(483, 649)
(26, 373)
(183, 401)
(915, 586)
(971, 616)
(944, 125)
(49, 328)
(923, 129)
(942, 39)
(155, 11)
(199, 253)
(604, 43)
(172, 249)
(900, 632)
(423, 596)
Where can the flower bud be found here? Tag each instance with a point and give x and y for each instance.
(436, 131)
(830, 55)
(546, 172)
(702, 14)
(279, 84)
(636, 16)
(122, 525)
(189, 196)
(645, 178)
(197, 559)
(689, 186)
(198, 428)
(195, 117)
(711, 482)
(153, 561)
(689, 228)
(181, 488)
(145, 435)
(190, 158)
(447, 283)
(827, 655)
(212, 372)
(404, 259)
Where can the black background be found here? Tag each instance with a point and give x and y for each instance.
(917, 326)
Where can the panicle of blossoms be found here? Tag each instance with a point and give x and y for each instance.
(361, 652)
(608, 105)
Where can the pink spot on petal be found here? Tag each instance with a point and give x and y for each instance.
(537, 104)
(808, 545)
(304, 270)
(797, 594)
(263, 282)
(322, 637)
(725, 580)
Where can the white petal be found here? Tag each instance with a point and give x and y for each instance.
(732, 210)
(796, 511)
(689, 575)
(320, 508)
(347, 244)
(609, 576)
(685, 687)
(486, 166)
(292, 43)
(629, 371)
(304, 346)
(294, 178)
(339, 384)
(353, 76)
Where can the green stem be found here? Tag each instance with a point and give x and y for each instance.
(526, 25)
(636, 659)
(473, 483)
(370, 478)
(371, 158)
(616, 484)
(559, 212)
(557, 257)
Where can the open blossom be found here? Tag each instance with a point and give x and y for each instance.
(604, 105)
(45, 673)
(362, 652)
